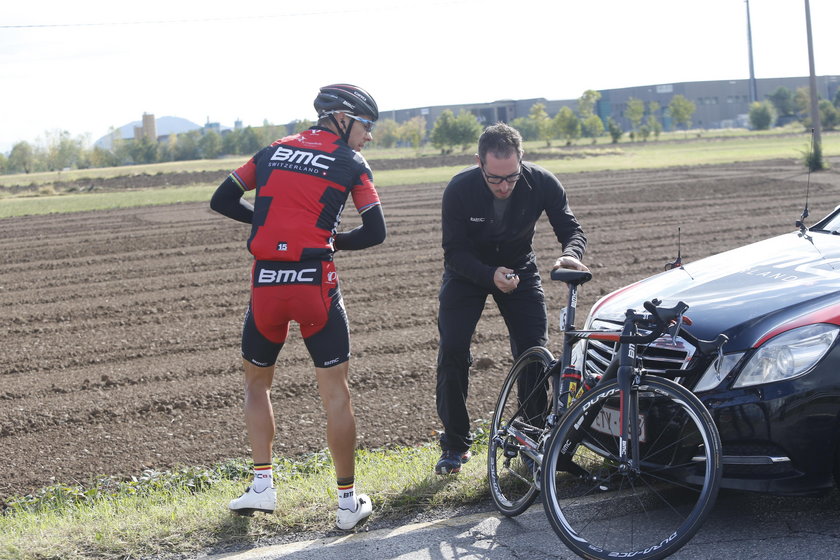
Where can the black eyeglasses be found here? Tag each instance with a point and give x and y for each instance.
(365, 123)
(498, 179)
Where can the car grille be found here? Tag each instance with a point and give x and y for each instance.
(662, 354)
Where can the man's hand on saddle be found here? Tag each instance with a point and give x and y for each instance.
(569, 262)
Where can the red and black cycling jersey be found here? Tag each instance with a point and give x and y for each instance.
(302, 184)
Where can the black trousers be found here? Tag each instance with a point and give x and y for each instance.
(461, 305)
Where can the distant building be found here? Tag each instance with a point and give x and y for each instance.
(212, 127)
(719, 104)
(147, 129)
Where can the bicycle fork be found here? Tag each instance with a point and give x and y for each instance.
(628, 378)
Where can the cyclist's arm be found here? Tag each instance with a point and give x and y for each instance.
(228, 201)
(366, 199)
(371, 232)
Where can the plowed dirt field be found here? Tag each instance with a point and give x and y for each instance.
(121, 328)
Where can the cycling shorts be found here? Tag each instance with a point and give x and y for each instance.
(306, 292)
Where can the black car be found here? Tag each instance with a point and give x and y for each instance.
(775, 395)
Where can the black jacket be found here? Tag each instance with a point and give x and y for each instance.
(469, 247)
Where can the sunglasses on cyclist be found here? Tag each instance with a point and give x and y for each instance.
(498, 179)
(365, 123)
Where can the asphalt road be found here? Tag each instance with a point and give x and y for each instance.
(742, 526)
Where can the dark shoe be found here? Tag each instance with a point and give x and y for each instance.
(450, 461)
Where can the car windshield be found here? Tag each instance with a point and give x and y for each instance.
(831, 224)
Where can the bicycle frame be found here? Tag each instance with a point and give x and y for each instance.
(566, 380)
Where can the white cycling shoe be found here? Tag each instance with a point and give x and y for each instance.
(252, 501)
(346, 519)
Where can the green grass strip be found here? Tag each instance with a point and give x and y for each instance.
(638, 155)
(185, 511)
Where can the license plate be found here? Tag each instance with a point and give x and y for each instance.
(607, 423)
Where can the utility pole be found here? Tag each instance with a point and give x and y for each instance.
(815, 109)
(753, 89)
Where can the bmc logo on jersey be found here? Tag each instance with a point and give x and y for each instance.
(272, 273)
(301, 157)
(304, 276)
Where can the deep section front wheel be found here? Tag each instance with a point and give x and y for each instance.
(604, 507)
(517, 429)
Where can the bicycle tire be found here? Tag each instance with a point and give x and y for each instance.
(601, 512)
(513, 477)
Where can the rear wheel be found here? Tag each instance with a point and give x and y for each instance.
(609, 508)
(517, 424)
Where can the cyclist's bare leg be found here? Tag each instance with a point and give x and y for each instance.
(341, 423)
(259, 416)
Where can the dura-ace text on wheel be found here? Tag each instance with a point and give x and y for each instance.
(647, 509)
(517, 431)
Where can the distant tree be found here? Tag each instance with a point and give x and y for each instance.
(186, 147)
(121, 150)
(231, 141)
(450, 131)
(4, 161)
(413, 131)
(526, 127)
(146, 151)
(802, 103)
(566, 124)
(836, 102)
(210, 145)
(60, 151)
(467, 129)
(300, 126)
(782, 101)
(614, 129)
(443, 136)
(761, 115)
(21, 158)
(251, 143)
(829, 115)
(681, 110)
(166, 149)
(387, 133)
(652, 120)
(653, 125)
(100, 157)
(274, 132)
(542, 123)
(587, 102)
(635, 112)
(593, 127)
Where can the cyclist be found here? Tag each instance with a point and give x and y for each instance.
(302, 183)
(489, 213)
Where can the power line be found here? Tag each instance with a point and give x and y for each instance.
(161, 21)
(385, 7)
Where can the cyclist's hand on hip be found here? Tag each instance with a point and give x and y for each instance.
(505, 279)
(569, 262)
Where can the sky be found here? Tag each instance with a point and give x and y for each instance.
(88, 66)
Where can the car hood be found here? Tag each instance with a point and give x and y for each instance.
(750, 293)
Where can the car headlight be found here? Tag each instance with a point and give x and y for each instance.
(714, 375)
(788, 355)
